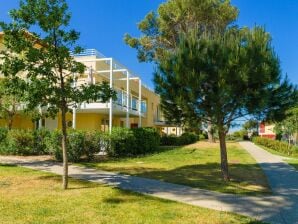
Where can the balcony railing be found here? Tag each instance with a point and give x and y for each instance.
(133, 101)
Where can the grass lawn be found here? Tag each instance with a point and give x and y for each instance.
(196, 165)
(293, 162)
(277, 153)
(28, 196)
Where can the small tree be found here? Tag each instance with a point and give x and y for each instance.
(219, 78)
(289, 126)
(10, 98)
(45, 62)
(161, 33)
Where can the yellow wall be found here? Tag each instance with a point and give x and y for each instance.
(19, 122)
(92, 121)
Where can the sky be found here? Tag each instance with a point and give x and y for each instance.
(103, 23)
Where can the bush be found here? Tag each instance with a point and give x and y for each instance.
(169, 140)
(39, 138)
(20, 142)
(185, 139)
(147, 140)
(122, 142)
(94, 141)
(129, 142)
(75, 145)
(3, 134)
(278, 146)
(53, 144)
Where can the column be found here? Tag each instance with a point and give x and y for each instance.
(140, 103)
(111, 100)
(40, 119)
(127, 99)
(74, 109)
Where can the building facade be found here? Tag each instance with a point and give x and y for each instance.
(266, 130)
(136, 104)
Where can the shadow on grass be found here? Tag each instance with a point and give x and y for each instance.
(246, 179)
(209, 176)
(7, 165)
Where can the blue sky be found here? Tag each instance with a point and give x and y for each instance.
(103, 23)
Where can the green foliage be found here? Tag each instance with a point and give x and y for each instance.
(129, 142)
(40, 136)
(223, 75)
(75, 144)
(251, 125)
(81, 144)
(3, 134)
(20, 142)
(122, 142)
(289, 126)
(202, 136)
(53, 144)
(11, 93)
(147, 140)
(45, 61)
(185, 139)
(161, 31)
(94, 142)
(278, 146)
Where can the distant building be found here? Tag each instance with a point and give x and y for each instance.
(266, 130)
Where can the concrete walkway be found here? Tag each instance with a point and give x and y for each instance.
(283, 180)
(279, 208)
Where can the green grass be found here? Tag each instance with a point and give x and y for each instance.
(293, 162)
(274, 152)
(28, 196)
(196, 166)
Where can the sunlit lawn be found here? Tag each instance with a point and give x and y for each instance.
(293, 162)
(197, 166)
(28, 196)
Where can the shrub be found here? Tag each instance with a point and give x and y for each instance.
(53, 144)
(20, 142)
(202, 136)
(169, 140)
(3, 134)
(146, 140)
(185, 139)
(122, 142)
(278, 146)
(75, 145)
(39, 137)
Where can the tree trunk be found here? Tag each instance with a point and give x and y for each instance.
(64, 149)
(10, 122)
(210, 132)
(223, 154)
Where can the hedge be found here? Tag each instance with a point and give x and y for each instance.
(185, 139)
(81, 144)
(276, 145)
(138, 141)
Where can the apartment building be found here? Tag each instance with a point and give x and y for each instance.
(136, 104)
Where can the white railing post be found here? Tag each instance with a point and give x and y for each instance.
(140, 102)
(111, 100)
(40, 120)
(74, 109)
(127, 99)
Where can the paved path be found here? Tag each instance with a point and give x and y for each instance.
(283, 180)
(279, 208)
